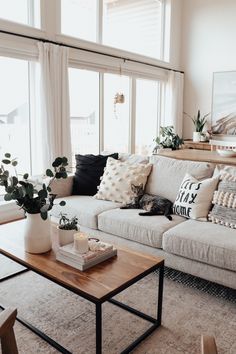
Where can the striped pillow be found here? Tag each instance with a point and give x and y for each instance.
(224, 200)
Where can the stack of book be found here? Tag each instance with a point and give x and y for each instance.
(68, 255)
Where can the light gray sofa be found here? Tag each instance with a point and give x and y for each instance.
(199, 248)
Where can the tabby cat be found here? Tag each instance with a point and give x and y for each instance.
(153, 204)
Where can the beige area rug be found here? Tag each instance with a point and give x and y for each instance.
(70, 320)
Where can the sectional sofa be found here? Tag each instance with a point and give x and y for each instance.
(199, 248)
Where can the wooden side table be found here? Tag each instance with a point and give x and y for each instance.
(202, 145)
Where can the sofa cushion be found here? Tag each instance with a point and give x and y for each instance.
(86, 208)
(167, 175)
(128, 224)
(89, 169)
(118, 178)
(203, 241)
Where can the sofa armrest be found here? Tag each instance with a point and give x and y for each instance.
(62, 187)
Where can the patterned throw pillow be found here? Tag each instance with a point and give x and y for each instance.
(117, 179)
(224, 200)
(195, 197)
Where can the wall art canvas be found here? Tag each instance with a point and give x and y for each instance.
(224, 103)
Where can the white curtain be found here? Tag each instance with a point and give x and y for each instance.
(173, 107)
(55, 110)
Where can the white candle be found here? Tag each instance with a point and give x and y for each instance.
(81, 242)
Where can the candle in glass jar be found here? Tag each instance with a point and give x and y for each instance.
(81, 242)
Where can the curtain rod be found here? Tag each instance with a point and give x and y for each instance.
(87, 50)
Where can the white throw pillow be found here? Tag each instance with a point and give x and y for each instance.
(117, 179)
(195, 197)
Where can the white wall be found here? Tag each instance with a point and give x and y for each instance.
(208, 45)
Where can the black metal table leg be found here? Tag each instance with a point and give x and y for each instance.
(98, 328)
(160, 294)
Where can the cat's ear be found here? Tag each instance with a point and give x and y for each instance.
(141, 186)
(133, 187)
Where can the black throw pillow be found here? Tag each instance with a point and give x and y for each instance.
(89, 169)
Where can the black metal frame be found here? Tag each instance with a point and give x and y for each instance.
(156, 322)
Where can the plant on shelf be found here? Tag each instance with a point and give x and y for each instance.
(24, 193)
(198, 121)
(168, 139)
(66, 223)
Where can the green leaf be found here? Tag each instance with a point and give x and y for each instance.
(57, 162)
(7, 155)
(14, 163)
(7, 197)
(62, 203)
(6, 162)
(9, 189)
(42, 194)
(44, 208)
(44, 215)
(49, 173)
(26, 176)
(14, 181)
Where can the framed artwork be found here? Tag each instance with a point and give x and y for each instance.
(223, 116)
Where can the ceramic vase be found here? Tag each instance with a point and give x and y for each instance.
(196, 137)
(65, 236)
(37, 237)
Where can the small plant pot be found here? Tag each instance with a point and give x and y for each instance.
(196, 137)
(65, 236)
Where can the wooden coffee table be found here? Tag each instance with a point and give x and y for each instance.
(98, 284)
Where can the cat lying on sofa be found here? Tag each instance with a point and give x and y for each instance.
(152, 204)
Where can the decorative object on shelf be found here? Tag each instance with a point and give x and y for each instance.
(81, 242)
(66, 229)
(223, 119)
(199, 123)
(167, 139)
(224, 145)
(35, 202)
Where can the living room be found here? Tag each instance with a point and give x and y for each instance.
(89, 88)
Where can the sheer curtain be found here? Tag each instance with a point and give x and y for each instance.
(55, 110)
(173, 107)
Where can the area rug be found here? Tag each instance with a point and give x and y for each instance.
(188, 312)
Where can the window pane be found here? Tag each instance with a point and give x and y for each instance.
(14, 111)
(84, 111)
(116, 117)
(147, 99)
(26, 12)
(79, 18)
(133, 25)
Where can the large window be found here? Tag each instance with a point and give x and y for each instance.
(26, 12)
(16, 126)
(147, 109)
(84, 111)
(79, 18)
(116, 116)
(133, 25)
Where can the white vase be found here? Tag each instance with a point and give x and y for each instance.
(196, 137)
(65, 236)
(37, 237)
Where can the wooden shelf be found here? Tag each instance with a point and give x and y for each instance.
(202, 145)
(199, 155)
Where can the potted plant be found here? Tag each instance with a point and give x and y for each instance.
(167, 139)
(199, 123)
(36, 202)
(66, 229)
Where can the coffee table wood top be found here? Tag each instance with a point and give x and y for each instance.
(96, 284)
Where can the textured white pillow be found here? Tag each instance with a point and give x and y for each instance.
(195, 197)
(118, 177)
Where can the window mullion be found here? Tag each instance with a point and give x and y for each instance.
(99, 21)
(101, 112)
(132, 115)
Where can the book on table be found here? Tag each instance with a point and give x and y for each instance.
(68, 255)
